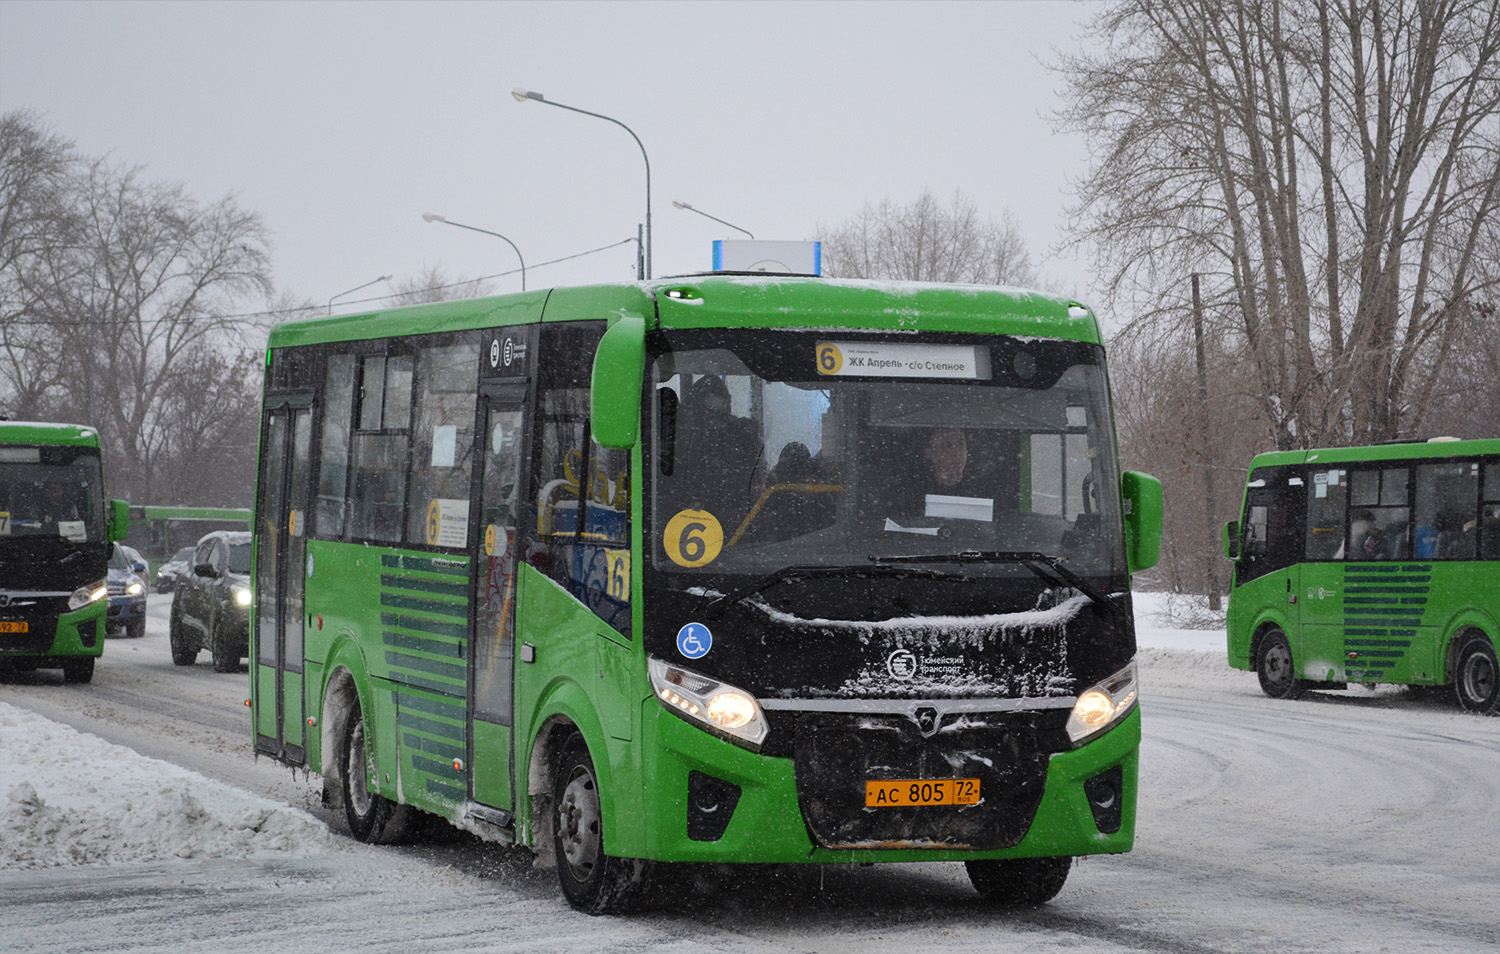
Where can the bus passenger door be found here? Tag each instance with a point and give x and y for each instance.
(493, 657)
(280, 569)
(1268, 571)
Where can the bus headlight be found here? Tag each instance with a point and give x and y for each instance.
(717, 706)
(1102, 705)
(242, 596)
(90, 593)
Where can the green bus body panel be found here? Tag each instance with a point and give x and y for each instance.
(397, 620)
(265, 688)
(1390, 621)
(492, 768)
(35, 432)
(730, 301)
(68, 640)
(584, 677)
(1392, 452)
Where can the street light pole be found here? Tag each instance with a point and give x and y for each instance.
(382, 278)
(522, 95)
(433, 217)
(684, 205)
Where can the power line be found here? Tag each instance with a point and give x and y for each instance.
(301, 309)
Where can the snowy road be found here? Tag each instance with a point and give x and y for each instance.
(1352, 822)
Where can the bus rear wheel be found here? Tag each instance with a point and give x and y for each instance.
(1273, 666)
(1476, 677)
(372, 817)
(592, 881)
(1022, 882)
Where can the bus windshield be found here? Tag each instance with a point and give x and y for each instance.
(772, 449)
(51, 492)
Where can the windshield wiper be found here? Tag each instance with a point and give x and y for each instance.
(1048, 568)
(790, 574)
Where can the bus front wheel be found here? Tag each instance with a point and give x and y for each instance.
(79, 670)
(592, 881)
(1476, 677)
(372, 817)
(1023, 882)
(1273, 666)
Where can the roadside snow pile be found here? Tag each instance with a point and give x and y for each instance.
(74, 799)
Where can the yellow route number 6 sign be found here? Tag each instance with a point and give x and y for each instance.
(693, 538)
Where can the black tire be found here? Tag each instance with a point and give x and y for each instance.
(372, 817)
(135, 629)
(1476, 676)
(1274, 667)
(1022, 882)
(79, 669)
(592, 881)
(184, 647)
(224, 661)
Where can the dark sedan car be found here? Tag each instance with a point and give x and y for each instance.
(212, 607)
(171, 571)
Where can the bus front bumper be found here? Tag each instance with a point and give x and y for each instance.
(692, 780)
(77, 633)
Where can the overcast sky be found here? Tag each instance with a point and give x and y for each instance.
(341, 123)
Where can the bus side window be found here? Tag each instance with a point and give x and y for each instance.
(1379, 518)
(1489, 517)
(1327, 495)
(581, 533)
(1446, 528)
(378, 496)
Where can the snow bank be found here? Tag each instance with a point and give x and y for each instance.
(74, 799)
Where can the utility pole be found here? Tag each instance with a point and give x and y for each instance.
(1209, 508)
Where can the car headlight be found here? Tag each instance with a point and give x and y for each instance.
(1102, 705)
(135, 589)
(242, 595)
(717, 706)
(89, 593)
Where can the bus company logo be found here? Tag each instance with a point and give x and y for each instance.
(495, 352)
(901, 664)
(926, 718)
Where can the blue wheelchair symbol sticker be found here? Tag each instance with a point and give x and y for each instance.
(694, 640)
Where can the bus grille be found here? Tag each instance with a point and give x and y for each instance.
(836, 753)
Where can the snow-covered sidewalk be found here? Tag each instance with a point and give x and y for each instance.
(75, 799)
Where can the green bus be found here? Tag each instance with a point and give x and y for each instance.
(56, 531)
(1370, 565)
(714, 569)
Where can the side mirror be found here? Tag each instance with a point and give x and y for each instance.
(205, 570)
(1143, 512)
(119, 520)
(138, 567)
(1232, 540)
(615, 395)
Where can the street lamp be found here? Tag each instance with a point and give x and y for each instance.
(684, 205)
(433, 217)
(522, 95)
(382, 278)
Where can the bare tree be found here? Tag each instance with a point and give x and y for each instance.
(925, 242)
(37, 220)
(1337, 161)
(119, 298)
(432, 284)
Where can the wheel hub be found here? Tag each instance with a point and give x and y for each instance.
(578, 825)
